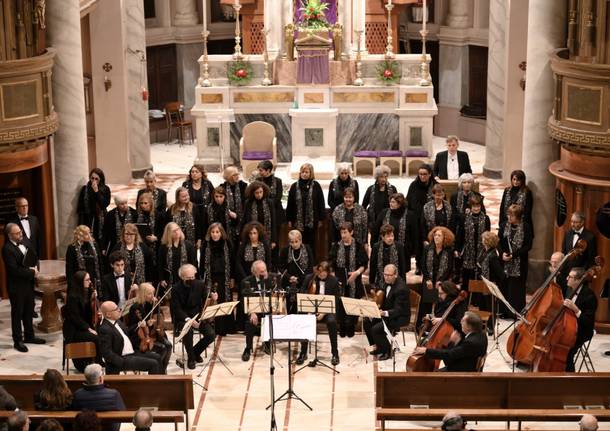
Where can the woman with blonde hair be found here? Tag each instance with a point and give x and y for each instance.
(174, 252)
(83, 254)
(490, 267)
(55, 395)
(138, 258)
(235, 189)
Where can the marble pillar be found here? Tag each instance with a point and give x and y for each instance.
(186, 13)
(459, 13)
(359, 20)
(274, 26)
(345, 18)
(139, 146)
(496, 66)
(546, 32)
(70, 141)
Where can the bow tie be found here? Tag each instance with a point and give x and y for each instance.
(24, 218)
(116, 277)
(576, 233)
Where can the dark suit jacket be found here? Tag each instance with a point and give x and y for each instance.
(77, 317)
(19, 276)
(111, 345)
(587, 303)
(397, 304)
(110, 291)
(187, 300)
(331, 287)
(464, 355)
(440, 164)
(35, 239)
(587, 258)
(100, 399)
(161, 199)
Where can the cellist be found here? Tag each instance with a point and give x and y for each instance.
(447, 292)
(583, 303)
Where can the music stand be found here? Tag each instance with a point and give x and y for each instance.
(316, 304)
(211, 312)
(258, 305)
(361, 308)
(292, 327)
(185, 329)
(394, 346)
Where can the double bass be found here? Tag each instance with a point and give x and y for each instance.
(559, 336)
(438, 338)
(542, 308)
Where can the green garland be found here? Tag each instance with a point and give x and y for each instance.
(239, 72)
(388, 72)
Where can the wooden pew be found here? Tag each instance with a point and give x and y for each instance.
(492, 396)
(124, 416)
(165, 393)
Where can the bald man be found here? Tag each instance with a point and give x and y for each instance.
(588, 423)
(118, 351)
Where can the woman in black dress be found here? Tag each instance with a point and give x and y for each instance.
(259, 208)
(338, 185)
(468, 240)
(174, 252)
(351, 211)
(436, 212)
(377, 196)
(489, 266)
(199, 188)
(295, 262)
(150, 225)
(93, 199)
(235, 189)
(218, 211)
(184, 213)
(138, 258)
(405, 229)
(83, 254)
(460, 201)
(519, 194)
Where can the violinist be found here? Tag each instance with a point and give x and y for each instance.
(188, 298)
(254, 285)
(464, 351)
(323, 283)
(78, 316)
(296, 261)
(142, 306)
(583, 302)
(447, 292)
(395, 311)
(117, 286)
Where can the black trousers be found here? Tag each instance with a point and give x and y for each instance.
(208, 337)
(570, 365)
(22, 308)
(149, 361)
(251, 330)
(375, 334)
(331, 325)
(514, 291)
(163, 348)
(346, 323)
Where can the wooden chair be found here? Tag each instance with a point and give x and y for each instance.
(258, 142)
(174, 118)
(78, 351)
(478, 286)
(481, 363)
(414, 300)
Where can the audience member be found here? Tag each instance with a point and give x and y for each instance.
(87, 420)
(7, 401)
(49, 425)
(143, 420)
(18, 421)
(453, 422)
(588, 423)
(55, 393)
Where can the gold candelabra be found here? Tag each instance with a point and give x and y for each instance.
(266, 81)
(237, 55)
(204, 80)
(424, 69)
(358, 81)
(389, 49)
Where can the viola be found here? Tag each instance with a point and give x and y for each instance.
(542, 308)
(95, 309)
(559, 336)
(438, 338)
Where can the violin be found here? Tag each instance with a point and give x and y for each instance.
(559, 336)
(542, 308)
(438, 338)
(208, 300)
(95, 309)
(145, 334)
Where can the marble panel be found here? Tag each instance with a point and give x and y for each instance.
(364, 97)
(212, 98)
(356, 132)
(263, 97)
(283, 133)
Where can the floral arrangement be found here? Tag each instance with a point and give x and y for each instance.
(314, 16)
(388, 72)
(239, 72)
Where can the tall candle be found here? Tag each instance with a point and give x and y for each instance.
(425, 15)
(236, 2)
(205, 16)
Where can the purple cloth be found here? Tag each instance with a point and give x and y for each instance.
(330, 13)
(416, 153)
(389, 153)
(257, 155)
(365, 153)
(313, 67)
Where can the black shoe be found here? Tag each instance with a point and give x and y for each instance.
(246, 355)
(607, 353)
(198, 359)
(335, 360)
(34, 340)
(301, 358)
(180, 363)
(350, 334)
(384, 357)
(266, 348)
(490, 331)
(374, 352)
(191, 364)
(19, 346)
(342, 334)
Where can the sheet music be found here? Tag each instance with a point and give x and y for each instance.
(495, 291)
(292, 327)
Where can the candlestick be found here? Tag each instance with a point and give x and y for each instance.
(389, 49)
(266, 81)
(358, 81)
(204, 81)
(424, 16)
(237, 55)
(205, 16)
(424, 69)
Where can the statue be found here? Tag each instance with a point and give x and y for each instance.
(289, 41)
(337, 41)
(39, 13)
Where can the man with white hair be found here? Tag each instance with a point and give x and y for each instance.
(588, 423)
(114, 222)
(159, 195)
(253, 285)
(453, 422)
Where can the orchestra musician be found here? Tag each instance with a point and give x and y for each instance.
(463, 352)
(322, 282)
(447, 292)
(188, 299)
(253, 286)
(395, 312)
(578, 231)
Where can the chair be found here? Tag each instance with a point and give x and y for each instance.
(481, 363)
(78, 351)
(258, 142)
(478, 286)
(366, 158)
(174, 118)
(583, 355)
(414, 300)
(414, 159)
(393, 160)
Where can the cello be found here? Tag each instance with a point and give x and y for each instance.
(559, 336)
(542, 308)
(437, 338)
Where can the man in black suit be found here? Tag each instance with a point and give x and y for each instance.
(114, 222)
(117, 350)
(29, 225)
(578, 231)
(254, 285)
(188, 299)
(117, 285)
(159, 195)
(396, 312)
(581, 300)
(450, 164)
(20, 262)
(323, 283)
(463, 353)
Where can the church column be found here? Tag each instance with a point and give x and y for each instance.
(546, 32)
(186, 13)
(345, 19)
(275, 26)
(139, 140)
(359, 20)
(70, 140)
(459, 14)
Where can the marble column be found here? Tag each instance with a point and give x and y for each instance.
(359, 23)
(546, 32)
(70, 140)
(139, 140)
(345, 18)
(186, 13)
(496, 65)
(459, 14)
(275, 26)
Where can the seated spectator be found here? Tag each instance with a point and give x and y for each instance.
(588, 423)
(95, 396)
(55, 394)
(18, 421)
(450, 164)
(143, 420)
(87, 420)
(453, 422)
(49, 425)
(7, 401)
